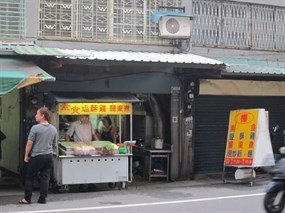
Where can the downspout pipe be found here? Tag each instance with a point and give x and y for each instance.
(159, 120)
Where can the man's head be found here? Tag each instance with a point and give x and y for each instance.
(84, 118)
(43, 114)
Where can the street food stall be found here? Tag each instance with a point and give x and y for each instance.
(93, 161)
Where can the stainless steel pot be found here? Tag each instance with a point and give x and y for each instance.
(157, 143)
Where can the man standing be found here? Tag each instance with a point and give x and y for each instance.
(81, 130)
(38, 155)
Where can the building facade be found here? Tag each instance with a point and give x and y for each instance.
(101, 42)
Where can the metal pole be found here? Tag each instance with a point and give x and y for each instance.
(131, 126)
(131, 154)
(120, 127)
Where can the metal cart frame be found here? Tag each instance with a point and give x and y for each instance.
(71, 169)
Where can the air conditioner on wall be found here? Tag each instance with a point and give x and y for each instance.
(174, 27)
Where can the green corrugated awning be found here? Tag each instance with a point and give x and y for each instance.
(9, 80)
(17, 73)
(40, 51)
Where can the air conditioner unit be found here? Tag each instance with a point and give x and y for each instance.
(174, 27)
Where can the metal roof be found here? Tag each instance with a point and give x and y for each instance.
(185, 59)
(178, 58)
(249, 66)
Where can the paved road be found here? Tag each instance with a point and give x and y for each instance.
(181, 197)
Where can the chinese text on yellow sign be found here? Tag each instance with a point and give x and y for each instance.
(241, 138)
(94, 108)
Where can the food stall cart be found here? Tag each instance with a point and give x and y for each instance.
(92, 164)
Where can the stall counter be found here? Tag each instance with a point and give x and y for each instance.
(70, 169)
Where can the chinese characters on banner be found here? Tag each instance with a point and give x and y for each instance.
(241, 138)
(94, 108)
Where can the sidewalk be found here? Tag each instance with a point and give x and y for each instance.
(10, 186)
(198, 181)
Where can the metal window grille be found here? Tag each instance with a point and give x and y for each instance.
(239, 25)
(122, 21)
(279, 34)
(235, 28)
(268, 29)
(56, 18)
(11, 19)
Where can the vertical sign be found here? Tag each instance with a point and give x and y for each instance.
(241, 138)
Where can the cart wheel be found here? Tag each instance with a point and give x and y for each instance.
(112, 185)
(55, 188)
(64, 188)
(122, 185)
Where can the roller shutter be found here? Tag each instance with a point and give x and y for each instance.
(211, 126)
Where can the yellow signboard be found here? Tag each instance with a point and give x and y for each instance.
(241, 138)
(94, 108)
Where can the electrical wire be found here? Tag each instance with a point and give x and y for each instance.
(110, 77)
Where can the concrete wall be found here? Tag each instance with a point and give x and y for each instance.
(31, 19)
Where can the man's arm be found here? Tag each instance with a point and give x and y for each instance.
(95, 136)
(55, 142)
(113, 134)
(67, 138)
(28, 150)
(70, 131)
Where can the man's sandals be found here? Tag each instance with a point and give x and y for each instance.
(23, 201)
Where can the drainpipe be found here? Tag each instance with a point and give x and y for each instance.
(159, 121)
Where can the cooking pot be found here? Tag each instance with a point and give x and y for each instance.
(157, 143)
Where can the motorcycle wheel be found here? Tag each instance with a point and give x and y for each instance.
(269, 205)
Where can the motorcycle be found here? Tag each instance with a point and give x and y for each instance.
(274, 200)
